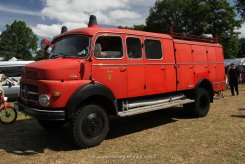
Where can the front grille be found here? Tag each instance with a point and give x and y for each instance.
(29, 91)
(28, 74)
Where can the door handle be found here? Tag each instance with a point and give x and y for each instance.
(163, 67)
(123, 69)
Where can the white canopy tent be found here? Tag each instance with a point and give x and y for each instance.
(237, 62)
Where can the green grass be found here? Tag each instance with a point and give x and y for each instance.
(167, 136)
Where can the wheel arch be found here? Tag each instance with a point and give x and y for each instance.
(92, 92)
(206, 84)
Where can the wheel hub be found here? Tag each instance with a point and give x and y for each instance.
(93, 125)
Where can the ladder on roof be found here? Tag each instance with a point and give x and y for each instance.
(192, 37)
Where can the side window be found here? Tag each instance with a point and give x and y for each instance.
(134, 50)
(108, 47)
(153, 49)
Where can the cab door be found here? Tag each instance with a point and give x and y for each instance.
(135, 67)
(109, 63)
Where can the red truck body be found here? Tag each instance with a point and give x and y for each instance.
(163, 69)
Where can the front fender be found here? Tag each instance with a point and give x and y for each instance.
(89, 91)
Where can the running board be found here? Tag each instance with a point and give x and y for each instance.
(150, 108)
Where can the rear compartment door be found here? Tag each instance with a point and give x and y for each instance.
(200, 60)
(185, 67)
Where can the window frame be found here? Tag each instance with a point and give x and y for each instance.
(140, 46)
(160, 45)
(109, 35)
(70, 36)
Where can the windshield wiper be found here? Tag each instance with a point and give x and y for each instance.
(58, 55)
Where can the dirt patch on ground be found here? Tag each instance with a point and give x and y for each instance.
(167, 136)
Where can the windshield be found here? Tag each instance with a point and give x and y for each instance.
(73, 46)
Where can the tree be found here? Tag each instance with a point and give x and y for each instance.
(17, 41)
(240, 7)
(197, 17)
(40, 55)
(183, 15)
(135, 27)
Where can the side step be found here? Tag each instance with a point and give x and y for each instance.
(150, 108)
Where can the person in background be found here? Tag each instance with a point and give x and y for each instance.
(233, 79)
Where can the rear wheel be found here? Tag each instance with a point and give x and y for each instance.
(89, 126)
(200, 107)
(48, 124)
(8, 116)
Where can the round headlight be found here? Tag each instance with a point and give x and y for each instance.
(44, 100)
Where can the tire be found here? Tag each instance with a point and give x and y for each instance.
(89, 126)
(8, 116)
(48, 124)
(200, 107)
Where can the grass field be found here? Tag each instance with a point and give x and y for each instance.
(167, 136)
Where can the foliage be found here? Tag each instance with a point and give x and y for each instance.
(240, 7)
(135, 27)
(197, 17)
(40, 55)
(18, 41)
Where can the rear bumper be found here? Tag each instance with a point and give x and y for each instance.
(40, 114)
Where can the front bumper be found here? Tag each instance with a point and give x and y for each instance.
(40, 114)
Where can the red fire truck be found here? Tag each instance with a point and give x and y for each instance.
(94, 72)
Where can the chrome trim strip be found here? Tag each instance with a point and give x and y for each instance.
(133, 64)
(29, 92)
(101, 64)
(109, 64)
(49, 111)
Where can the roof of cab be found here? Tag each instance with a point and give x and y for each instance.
(93, 30)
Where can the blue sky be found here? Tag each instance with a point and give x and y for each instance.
(46, 17)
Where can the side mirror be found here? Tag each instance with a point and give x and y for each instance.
(97, 49)
(45, 43)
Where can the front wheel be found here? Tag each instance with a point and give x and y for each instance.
(89, 126)
(8, 116)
